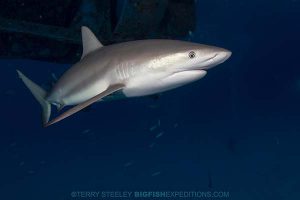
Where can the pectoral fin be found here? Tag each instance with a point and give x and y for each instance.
(111, 89)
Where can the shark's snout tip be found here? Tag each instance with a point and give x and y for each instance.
(229, 53)
(225, 54)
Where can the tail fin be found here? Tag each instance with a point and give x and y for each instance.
(39, 95)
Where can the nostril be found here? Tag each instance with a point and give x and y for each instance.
(214, 56)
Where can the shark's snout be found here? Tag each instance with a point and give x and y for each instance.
(221, 55)
(224, 55)
(217, 57)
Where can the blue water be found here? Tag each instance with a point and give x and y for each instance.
(236, 130)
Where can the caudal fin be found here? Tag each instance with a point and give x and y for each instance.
(39, 94)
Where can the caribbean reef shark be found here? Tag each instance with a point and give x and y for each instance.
(135, 68)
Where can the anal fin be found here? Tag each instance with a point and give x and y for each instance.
(111, 89)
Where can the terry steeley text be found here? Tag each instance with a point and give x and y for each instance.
(149, 194)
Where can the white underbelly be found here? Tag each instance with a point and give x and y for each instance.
(152, 84)
(86, 93)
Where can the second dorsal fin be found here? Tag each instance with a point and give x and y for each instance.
(90, 42)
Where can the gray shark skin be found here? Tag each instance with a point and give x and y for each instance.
(136, 68)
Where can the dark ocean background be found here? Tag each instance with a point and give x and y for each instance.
(236, 130)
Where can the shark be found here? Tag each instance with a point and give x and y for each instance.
(134, 69)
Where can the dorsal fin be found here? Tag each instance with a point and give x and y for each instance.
(89, 41)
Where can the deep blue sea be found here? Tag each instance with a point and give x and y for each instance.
(236, 131)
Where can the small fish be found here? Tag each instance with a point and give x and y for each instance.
(54, 77)
(152, 128)
(155, 174)
(86, 131)
(160, 134)
(128, 164)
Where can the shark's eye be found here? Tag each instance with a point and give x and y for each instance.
(192, 54)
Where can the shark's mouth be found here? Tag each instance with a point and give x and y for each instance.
(211, 59)
(217, 59)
